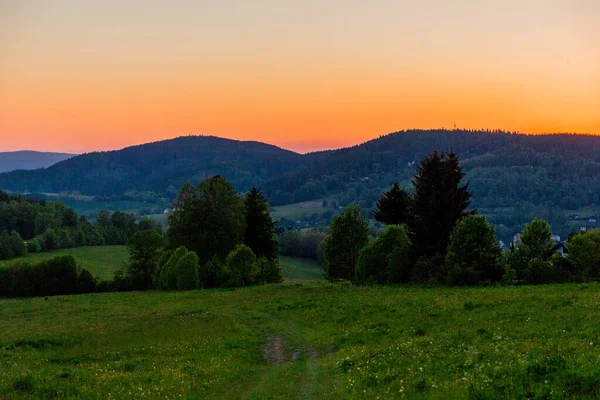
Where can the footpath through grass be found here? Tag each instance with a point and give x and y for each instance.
(101, 261)
(311, 340)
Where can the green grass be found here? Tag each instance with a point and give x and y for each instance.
(299, 210)
(301, 341)
(101, 261)
(300, 269)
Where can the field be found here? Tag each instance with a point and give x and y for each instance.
(101, 261)
(299, 210)
(311, 340)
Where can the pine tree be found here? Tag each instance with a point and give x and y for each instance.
(259, 226)
(393, 207)
(440, 201)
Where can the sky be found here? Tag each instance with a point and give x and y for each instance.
(85, 75)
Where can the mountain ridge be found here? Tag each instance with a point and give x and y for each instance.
(30, 159)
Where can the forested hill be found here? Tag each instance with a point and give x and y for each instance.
(503, 168)
(160, 167)
(540, 175)
(10, 161)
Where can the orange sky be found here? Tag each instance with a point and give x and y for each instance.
(84, 75)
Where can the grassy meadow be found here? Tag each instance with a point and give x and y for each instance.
(305, 340)
(101, 261)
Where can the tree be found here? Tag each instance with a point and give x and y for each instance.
(440, 201)
(145, 249)
(584, 251)
(536, 240)
(208, 219)
(242, 265)
(19, 247)
(269, 271)
(385, 259)
(187, 272)
(259, 225)
(165, 276)
(6, 250)
(349, 233)
(530, 258)
(474, 254)
(85, 282)
(393, 207)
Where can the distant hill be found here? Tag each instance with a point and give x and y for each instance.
(27, 160)
(160, 167)
(513, 177)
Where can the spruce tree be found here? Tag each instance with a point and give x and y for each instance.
(393, 207)
(259, 225)
(440, 201)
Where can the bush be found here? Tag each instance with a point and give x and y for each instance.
(34, 246)
(301, 243)
(85, 282)
(213, 273)
(540, 272)
(269, 271)
(385, 259)
(165, 276)
(187, 272)
(17, 244)
(241, 263)
(55, 276)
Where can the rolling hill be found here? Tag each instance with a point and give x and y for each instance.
(513, 177)
(28, 160)
(160, 167)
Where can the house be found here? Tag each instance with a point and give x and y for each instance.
(555, 238)
(516, 239)
(560, 248)
(166, 211)
(592, 220)
(582, 229)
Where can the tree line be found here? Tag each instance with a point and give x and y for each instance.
(30, 225)
(216, 238)
(432, 236)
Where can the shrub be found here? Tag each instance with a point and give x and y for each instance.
(539, 272)
(33, 246)
(474, 254)
(385, 259)
(165, 276)
(213, 273)
(187, 272)
(85, 282)
(54, 276)
(301, 243)
(269, 271)
(241, 263)
(16, 243)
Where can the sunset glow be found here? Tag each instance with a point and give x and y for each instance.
(80, 76)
